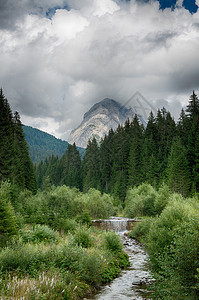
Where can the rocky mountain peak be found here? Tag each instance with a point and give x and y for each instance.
(98, 120)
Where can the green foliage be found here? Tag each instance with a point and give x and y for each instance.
(92, 268)
(15, 163)
(162, 152)
(178, 173)
(65, 225)
(84, 218)
(112, 242)
(162, 198)
(171, 240)
(62, 207)
(141, 229)
(39, 233)
(140, 201)
(61, 268)
(8, 224)
(82, 237)
(42, 144)
(98, 205)
(91, 166)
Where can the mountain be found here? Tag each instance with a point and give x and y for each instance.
(42, 144)
(97, 122)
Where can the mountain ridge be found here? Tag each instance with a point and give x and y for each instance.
(99, 119)
(42, 144)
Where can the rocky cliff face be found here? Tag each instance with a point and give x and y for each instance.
(99, 120)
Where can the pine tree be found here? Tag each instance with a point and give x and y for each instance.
(120, 154)
(178, 175)
(72, 167)
(135, 158)
(192, 141)
(106, 161)
(6, 140)
(150, 164)
(166, 129)
(193, 108)
(7, 217)
(91, 166)
(24, 174)
(15, 163)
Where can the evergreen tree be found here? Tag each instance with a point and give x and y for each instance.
(15, 163)
(193, 108)
(134, 162)
(192, 144)
(72, 167)
(106, 161)
(166, 130)
(178, 175)
(120, 154)
(24, 171)
(196, 165)
(6, 140)
(149, 152)
(91, 166)
(183, 127)
(7, 216)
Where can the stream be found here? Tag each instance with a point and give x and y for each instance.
(132, 282)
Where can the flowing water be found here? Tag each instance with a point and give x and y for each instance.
(133, 282)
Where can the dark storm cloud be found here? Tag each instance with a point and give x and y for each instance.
(55, 66)
(10, 12)
(13, 11)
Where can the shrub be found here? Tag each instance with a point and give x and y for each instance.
(112, 242)
(84, 218)
(82, 237)
(140, 201)
(8, 225)
(98, 206)
(141, 229)
(65, 225)
(39, 233)
(92, 267)
(162, 198)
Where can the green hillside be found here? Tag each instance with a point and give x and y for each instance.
(42, 144)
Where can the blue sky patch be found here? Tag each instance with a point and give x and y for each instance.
(188, 4)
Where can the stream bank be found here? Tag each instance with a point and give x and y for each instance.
(134, 281)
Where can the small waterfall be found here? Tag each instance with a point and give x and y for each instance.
(132, 284)
(116, 224)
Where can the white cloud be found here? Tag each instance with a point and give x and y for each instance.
(55, 69)
(104, 6)
(67, 24)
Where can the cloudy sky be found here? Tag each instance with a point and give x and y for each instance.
(59, 57)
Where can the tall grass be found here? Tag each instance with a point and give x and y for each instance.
(42, 264)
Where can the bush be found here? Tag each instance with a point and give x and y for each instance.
(84, 218)
(65, 225)
(92, 267)
(112, 242)
(98, 206)
(141, 229)
(162, 198)
(161, 233)
(140, 201)
(82, 237)
(39, 233)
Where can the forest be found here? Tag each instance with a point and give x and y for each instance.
(165, 151)
(41, 144)
(48, 247)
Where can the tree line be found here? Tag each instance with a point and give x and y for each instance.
(15, 162)
(164, 151)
